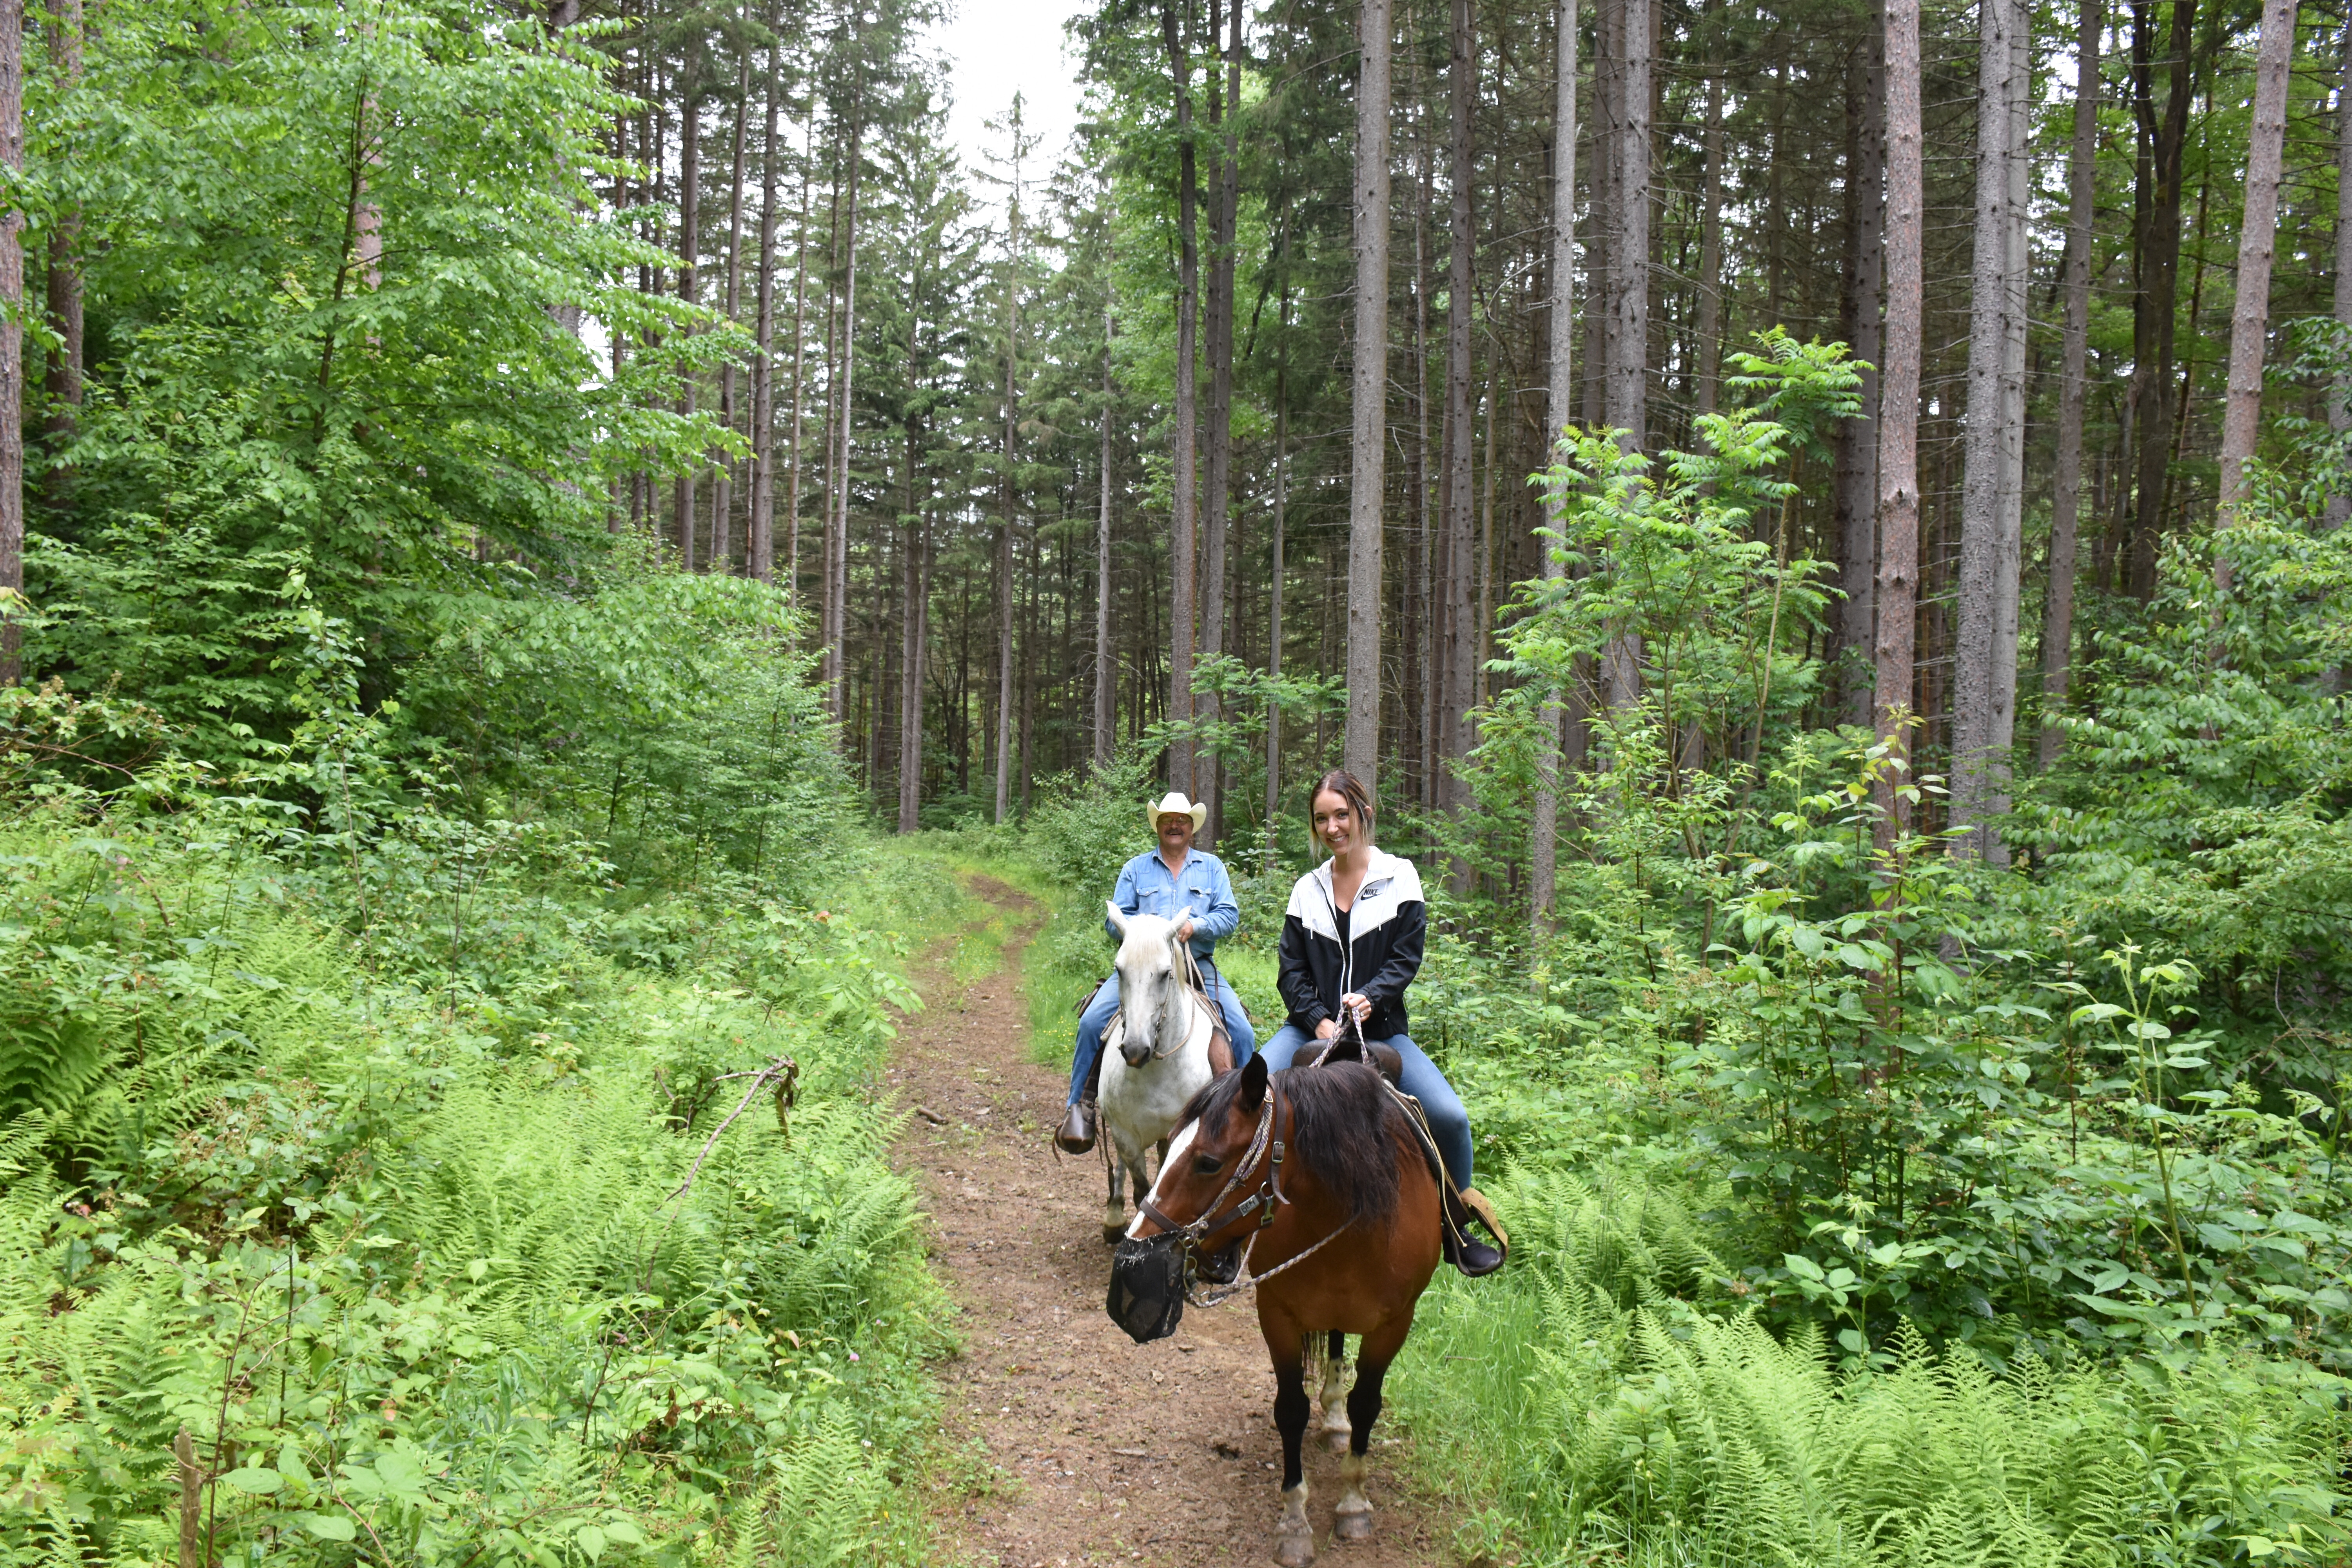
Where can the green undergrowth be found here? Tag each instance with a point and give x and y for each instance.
(441, 1200)
(1634, 1389)
(1610, 1399)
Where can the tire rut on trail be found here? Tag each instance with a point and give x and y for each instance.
(1062, 1443)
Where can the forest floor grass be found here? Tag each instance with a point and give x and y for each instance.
(1061, 1442)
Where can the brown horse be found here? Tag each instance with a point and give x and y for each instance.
(1314, 1181)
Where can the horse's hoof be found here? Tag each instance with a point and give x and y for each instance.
(1356, 1526)
(1113, 1235)
(1294, 1548)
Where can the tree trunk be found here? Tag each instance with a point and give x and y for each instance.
(792, 453)
(1361, 748)
(63, 378)
(1627, 394)
(916, 628)
(1004, 485)
(1543, 847)
(1417, 668)
(1183, 518)
(2081, 180)
(1456, 734)
(1898, 410)
(1224, 108)
(2159, 271)
(1857, 450)
(1982, 708)
(1105, 688)
(12, 348)
(2250, 324)
(2339, 404)
(723, 495)
(1710, 247)
(836, 542)
(759, 519)
(689, 185)
(1273, 607)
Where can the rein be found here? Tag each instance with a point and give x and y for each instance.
(1264, 1146)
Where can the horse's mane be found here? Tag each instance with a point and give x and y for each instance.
(1347, 1129)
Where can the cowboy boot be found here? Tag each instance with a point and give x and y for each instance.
(1464, 1251)
(1077, 1134)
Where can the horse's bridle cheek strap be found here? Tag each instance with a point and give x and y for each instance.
(1262, 1143)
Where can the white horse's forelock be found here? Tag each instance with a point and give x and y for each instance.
(1176, 1147)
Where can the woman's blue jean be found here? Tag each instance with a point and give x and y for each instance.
(1100, 1011)
(1448, 1122)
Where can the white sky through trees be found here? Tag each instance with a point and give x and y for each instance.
(993, 48)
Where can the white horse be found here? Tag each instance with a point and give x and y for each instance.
(1163, 1060)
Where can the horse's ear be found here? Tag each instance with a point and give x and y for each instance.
(1117, 917)
(1253, 1093)
(1177, 924)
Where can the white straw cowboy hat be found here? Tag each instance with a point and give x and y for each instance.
(1173, 804)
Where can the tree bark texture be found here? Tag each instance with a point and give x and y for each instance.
(1105, 672)
(12, 347)
(1005, 489)
(1362, 747)
(1183, 531)
(1983, 705)
(63, 376)
(1560, 411)
(1628, 327)
(2082, 170)
(1898, 407)
(2164, 140)
(690, 217)
(2339, 405)
(836, 533)
(793, 451)
(1709, 306)
(1224, 109)
(759, 517)
(1856, 503)
(1456, 628)
(2250, 324)
(722, 492)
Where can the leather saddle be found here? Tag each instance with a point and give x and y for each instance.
(1458, 1207)
(1385, 1058)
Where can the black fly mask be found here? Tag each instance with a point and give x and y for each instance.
(1147, 1286)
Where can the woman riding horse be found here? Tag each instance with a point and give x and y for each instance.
(1351, 944)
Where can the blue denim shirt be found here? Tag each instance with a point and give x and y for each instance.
(1146, 888)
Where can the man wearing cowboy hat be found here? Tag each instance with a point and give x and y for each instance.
(1166, 882)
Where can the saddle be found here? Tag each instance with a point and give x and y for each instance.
(1457, 1206)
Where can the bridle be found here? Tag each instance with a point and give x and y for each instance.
(1263, 1147)
(1175, 982)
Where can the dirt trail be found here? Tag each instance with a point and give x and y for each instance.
(1077, 1446)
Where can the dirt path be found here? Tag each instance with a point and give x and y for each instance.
(1073, 1445)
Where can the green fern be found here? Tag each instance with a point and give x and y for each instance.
(1613, 1393)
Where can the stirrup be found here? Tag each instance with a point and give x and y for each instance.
(1474, 1258)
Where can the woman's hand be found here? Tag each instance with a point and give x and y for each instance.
(1326, 1029)
(1360, 1004)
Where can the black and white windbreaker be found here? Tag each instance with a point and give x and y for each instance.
(1386, 927)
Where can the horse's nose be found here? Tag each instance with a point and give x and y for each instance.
(1134, 1052)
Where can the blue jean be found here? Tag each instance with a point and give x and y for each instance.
(1099, 1011)
(1449, 1122)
